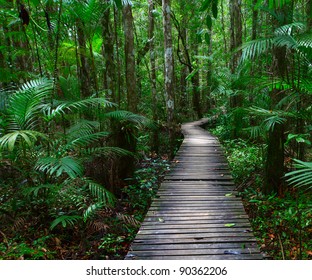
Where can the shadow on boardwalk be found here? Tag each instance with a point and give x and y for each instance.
(196, 214)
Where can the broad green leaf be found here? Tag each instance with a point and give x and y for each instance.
(207, 38)
(209, 22)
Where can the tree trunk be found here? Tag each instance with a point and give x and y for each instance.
(254, 20)
(169, 76)
(309, 14)
(236, 27)
(84, 66)
(275, 155)
(195, 88)
(130, 59)
(109, 78)
(153, 77)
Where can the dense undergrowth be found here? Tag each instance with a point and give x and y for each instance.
(106, 236)
(281, 224)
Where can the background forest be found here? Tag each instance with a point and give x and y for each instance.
(92, 95)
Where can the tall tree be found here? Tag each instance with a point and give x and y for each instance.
(236, 32)
(153, 76)
(109, 78)
(236, 38)
(275, 153)
(169, 75)
(84, 64)
(130, 58)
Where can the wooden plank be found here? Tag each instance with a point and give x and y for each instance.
(200, 257)
(197, 240)
(194, 246)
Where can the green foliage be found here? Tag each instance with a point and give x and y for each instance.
(147, 179)
(245, 161)
(57, 166)
(302, 177)
(282, 225)
(65, 221)
(18, 249)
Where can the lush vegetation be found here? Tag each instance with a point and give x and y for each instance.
(92, 93)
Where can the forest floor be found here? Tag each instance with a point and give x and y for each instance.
(282, 225)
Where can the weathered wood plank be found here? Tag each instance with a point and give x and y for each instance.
(198, 257)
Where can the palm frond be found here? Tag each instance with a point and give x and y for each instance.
(86, 139)
(107, 151)
(26, 104)
(285, 41)
(98, 191)
(270, 122)
(255, 131)
(91, 210)
(29, 137)
(305, 40)
(289, 29)
(302, 177)
(89, 103)
(126, 116)
(65, 220)
(255, 48)
(34, 191)
(58, 166)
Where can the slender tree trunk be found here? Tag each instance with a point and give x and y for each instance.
(120, 82)
(236, 28)
(169, 75)
(208, 99)
(108, 54)
(84, 66)
(275, 155)
(255, 13)
(309, 14)
(195, 88)
(130, 59)
(153, 77)
(223, 28)
(236, 33)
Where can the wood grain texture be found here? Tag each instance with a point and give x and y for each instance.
(196, 213)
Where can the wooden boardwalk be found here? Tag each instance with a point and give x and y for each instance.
(196, 214)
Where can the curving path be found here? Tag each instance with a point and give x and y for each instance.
(196, 214)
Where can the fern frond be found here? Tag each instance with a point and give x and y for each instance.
(128, 219)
